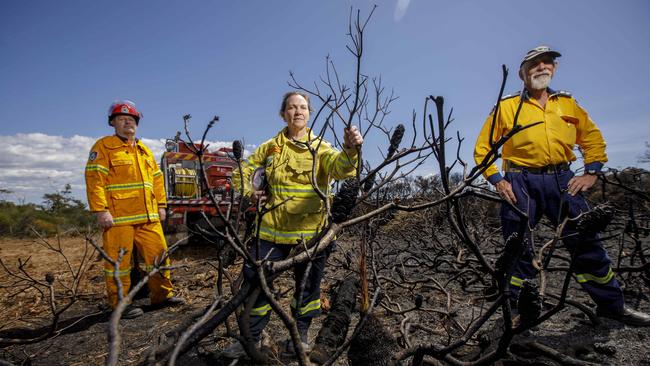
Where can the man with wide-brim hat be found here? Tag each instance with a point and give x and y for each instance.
(538, 181)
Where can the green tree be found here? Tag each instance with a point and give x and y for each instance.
(4, 192)
(59, 213)
(59, 201)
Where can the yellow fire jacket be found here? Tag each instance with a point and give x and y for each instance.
(288, 165)
(124, 180)
(565, 124)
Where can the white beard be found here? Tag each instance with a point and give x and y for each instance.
(540, 82)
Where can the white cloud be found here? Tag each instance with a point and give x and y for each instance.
(400, 9)
(34, 164)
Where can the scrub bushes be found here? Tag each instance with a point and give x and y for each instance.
(59, 214)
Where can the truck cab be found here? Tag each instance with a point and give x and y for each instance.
(189, 196)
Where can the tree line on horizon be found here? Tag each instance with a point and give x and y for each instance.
(59, 213)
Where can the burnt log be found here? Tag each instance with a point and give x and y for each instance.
(374, 345)
(335, 327)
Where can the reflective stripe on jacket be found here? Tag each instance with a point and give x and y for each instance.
(565, 124)
(288, 168)
(124, 180)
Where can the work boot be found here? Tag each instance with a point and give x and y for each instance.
(236, 350)
(132, 312)
(174, 301)
(289, 350)
(626, 316)
(170, 301)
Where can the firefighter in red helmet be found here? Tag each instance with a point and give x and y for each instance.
(123, 108)
(126, 192)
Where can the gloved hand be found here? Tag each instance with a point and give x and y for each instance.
(352, 137)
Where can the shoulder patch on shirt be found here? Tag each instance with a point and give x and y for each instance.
(275, 149)
(505, 97)
(92, 156)
(509, 96)
(562, 93)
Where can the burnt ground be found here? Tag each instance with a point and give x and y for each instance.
(408, 249)
(25, 315)
(569, 332)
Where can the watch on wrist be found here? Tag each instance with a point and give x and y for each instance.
(591, 171)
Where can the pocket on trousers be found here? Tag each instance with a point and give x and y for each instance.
(564, 178)
(508, 213)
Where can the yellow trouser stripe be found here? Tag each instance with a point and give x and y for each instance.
(146, 267)
(310, 306)
(516, 281)
(261, 311)
(121, 272)
(149, 267)
(584, 277)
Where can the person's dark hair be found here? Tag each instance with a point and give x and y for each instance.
(289, 94)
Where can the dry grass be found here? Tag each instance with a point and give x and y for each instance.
(25, 306)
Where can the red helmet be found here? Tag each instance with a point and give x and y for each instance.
(123, 107)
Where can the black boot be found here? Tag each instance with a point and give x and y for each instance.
(627, 316)
(132, 312)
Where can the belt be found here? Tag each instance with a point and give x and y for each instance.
(514, 168)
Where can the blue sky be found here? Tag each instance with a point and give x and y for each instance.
(63, 63)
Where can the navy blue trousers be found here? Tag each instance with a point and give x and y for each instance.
(546, 194)
(309, 306)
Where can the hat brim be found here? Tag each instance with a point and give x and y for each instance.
(555, 54)
(137, 118)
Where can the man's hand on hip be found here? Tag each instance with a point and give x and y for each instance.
(581, 183)
(504, 189)
(104, 219)
(162, 214)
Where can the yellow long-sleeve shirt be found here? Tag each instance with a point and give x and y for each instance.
(565, 124)
(288, 166)
(124, 180)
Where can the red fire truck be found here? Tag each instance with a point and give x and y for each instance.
(188, 195)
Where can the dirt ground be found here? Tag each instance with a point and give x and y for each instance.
(85, 343)
(25, 314)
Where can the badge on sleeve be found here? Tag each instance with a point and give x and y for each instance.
(92, 156)
(273, 150)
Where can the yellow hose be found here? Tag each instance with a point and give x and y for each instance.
(185, 180)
